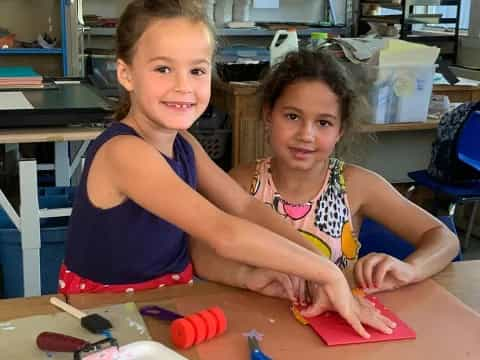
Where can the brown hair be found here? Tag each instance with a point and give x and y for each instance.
(317, 66)
(135, 19)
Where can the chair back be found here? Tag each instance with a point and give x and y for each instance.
(374, 237)
(468, 146)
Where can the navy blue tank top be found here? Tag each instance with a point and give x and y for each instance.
(126, 244)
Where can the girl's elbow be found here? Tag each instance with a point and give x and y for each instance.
(454, 245)
(225, 247)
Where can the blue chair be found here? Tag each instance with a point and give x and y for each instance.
(468, 151)
(374, 237)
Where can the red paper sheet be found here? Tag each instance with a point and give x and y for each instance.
(334, 330)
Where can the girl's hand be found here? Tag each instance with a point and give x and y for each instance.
(271, 283)
(300, 291)
(379, 272)
(355, 310)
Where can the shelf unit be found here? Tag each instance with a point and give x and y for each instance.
(109, 31)
(408, 17)
(13, 27)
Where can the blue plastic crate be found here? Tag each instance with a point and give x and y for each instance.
(51, 257)
(53, 233)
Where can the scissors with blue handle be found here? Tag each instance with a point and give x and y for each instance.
(255, 352)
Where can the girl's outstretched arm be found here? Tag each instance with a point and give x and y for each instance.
(210, 266)
(372, 196)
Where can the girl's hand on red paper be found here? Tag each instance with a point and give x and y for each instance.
(379, 272)
(355, 310)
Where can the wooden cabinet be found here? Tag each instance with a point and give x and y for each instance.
(242, 102)
(458, 93)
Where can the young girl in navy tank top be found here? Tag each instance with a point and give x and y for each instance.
(148, 185)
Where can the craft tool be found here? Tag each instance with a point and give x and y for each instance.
(186, 331)
(51, 341)
(255, 352)
(104, 349)
(92, 322)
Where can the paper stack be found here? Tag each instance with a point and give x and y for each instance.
(19, 77)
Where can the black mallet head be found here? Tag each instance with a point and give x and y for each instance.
(95, 323)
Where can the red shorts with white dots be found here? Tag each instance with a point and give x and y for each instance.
(71, 283)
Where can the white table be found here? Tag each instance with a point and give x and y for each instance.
(28, 221)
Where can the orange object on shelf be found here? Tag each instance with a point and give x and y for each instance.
(7, 41)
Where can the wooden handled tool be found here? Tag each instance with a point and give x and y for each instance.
(50, 341)
(92, 322)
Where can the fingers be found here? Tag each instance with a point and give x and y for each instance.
(296, 289)
(381, 271)
(371, 316)
(302, 293)
(356, 324)
(371, 270)
(319, 301)
(364, 269)
(314, 309)
(288, 286)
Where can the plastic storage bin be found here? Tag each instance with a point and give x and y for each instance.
(213, 132)
(53, 233)
(397, 94)
(242, 63)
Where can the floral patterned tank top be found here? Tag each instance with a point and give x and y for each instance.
(325, 220)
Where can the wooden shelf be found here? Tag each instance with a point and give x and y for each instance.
(411, 126)
(406, 19)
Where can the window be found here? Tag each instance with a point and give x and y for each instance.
(451, 12)
(448, 12)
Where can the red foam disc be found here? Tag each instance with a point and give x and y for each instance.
(200, 327)
(211, 322)
(182, 333)
(221, 319)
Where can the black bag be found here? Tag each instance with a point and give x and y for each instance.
(444, 163)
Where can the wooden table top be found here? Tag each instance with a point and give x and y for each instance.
(23, 307)
(48, 134)
(459, 278)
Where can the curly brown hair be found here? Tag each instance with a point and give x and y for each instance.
(317, 65)
(134, 21)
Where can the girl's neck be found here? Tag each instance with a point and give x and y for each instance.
(298, 186)
(160, 138)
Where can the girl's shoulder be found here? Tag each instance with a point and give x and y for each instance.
(243, 174)
(361, 183)
(355, 173)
